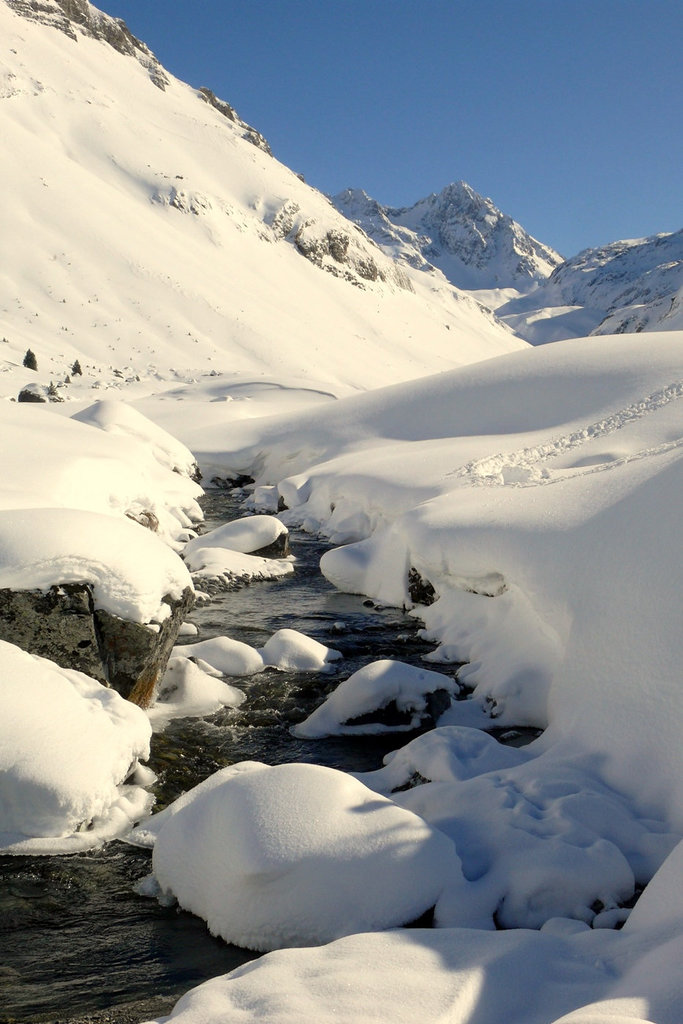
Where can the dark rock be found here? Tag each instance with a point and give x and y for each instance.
(421, 591)
(278, 549)
(392, 717)
(135, 656)
(32, 393)
(145, 518)
(63, 625)
(58, 625)
(227, 483)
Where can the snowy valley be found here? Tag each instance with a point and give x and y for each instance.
(482, 440)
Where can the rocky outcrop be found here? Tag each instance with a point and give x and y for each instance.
(62, 624)
(224, 108)
(78, 17)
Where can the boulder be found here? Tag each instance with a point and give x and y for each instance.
(62, 624)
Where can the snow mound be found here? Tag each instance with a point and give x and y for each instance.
(116, 417)
(298, 854)
(130, 569)
(187, 691)
(67, 746)
(225, 655)
(208, 562)
(49, 461)
(291, 651)
(373, 688)
(246, 535)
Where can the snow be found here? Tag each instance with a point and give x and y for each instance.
(246, 535)
(291, 651)
(537, 490)
(188, 691)
(56, 462)
(67, 747)
(223, 553)
(130, 569)
(369, 689)
(210, 562)
(298, 855)
(227, 656)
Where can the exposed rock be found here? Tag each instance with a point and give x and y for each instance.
(392, 717)
(63, 625)
(32, 393)
(421, 591)
(278, 549)
(248, 133)
(145, 518)
(78, 17)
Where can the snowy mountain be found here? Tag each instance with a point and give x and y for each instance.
(172, 243)
(460, 232)
(622, 288)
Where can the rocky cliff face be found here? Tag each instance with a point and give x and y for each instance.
(462, 233)
(78, 17)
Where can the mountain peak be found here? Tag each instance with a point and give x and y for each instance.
(458, 231)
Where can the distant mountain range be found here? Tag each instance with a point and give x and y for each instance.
(627, 286)
(151, 234)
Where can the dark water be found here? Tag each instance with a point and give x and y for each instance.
(74, 935)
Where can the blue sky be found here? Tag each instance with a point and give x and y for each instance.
(567, 113)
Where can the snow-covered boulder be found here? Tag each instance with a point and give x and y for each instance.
(188, 691)
(385, 696)
(92, 592)
(254, 535)
(227, 656)
(291, 651)
(296, 855)
(68, 745)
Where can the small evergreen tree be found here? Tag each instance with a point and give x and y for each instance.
(76, 369)
(30, 361)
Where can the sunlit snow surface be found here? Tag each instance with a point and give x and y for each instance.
(67, 746)
(539, 493)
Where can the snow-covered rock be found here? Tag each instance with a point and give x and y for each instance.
(254, 535)
(298, 855)
(187, 691)
(92, 592)
(292, 651)
(68, 752)
(227, 656)
(385, 696)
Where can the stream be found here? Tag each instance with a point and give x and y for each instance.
(75, 937)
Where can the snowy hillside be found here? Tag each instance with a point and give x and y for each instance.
(622, 288)
(460, 232)
(171, 243)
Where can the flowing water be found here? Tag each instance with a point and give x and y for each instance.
(74, 935)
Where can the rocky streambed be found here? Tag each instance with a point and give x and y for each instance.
(77, 943)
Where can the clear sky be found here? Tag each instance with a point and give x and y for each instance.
(567, 113)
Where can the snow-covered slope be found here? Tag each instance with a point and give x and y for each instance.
(170, 243)
(622, 288)
(460, 232)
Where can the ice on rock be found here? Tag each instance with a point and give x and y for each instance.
(298, 854)
(373, 688)
(67, 745)
(292, 651)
